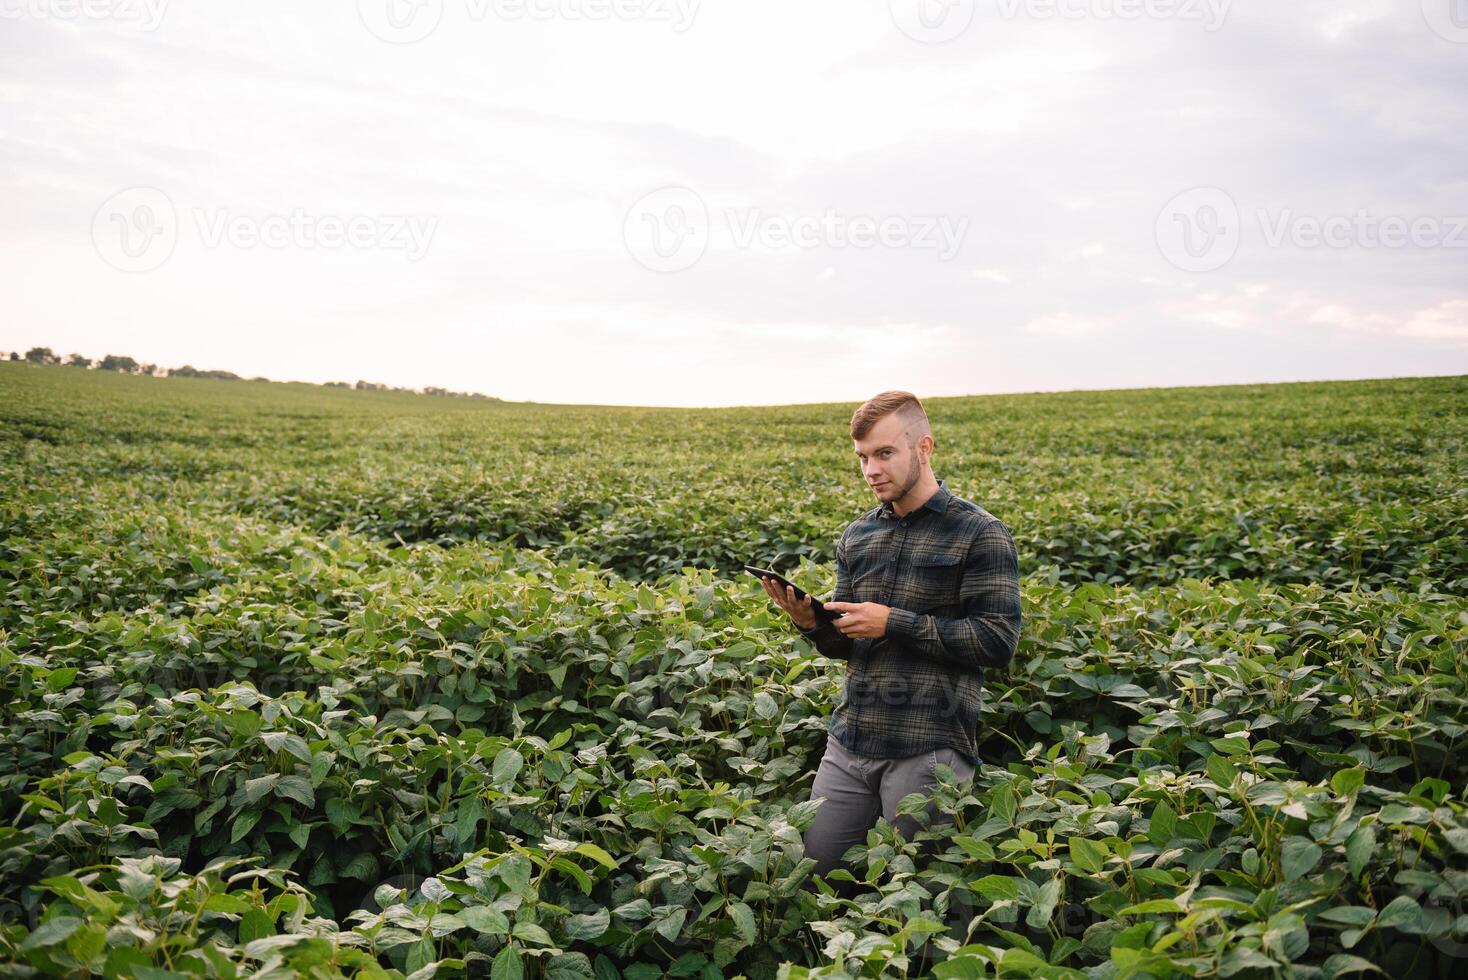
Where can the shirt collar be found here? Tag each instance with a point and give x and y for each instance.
(938, 503)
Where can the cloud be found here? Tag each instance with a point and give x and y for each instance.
(1447, 320)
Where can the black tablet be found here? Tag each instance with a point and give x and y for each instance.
(816, 605)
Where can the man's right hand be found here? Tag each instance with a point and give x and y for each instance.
(801, 611)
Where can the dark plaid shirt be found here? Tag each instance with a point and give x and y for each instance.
(950, 572)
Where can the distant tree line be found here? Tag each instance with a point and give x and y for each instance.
(127, 365)
(112, 362)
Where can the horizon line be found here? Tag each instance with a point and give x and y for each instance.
(498, 400)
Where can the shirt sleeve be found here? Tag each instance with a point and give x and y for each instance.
(987, 634)
(827, 639)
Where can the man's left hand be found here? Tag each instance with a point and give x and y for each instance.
(863, 620)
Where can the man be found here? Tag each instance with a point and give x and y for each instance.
(928, 585)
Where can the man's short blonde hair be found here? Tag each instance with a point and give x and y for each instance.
(904, 403)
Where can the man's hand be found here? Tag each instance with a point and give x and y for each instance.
(801, 612)
(863, 620)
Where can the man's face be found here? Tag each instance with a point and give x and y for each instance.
(890, 463)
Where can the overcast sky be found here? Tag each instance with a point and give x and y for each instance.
(674, 202)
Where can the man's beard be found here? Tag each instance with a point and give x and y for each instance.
(914, 475)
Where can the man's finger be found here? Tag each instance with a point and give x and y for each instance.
(783, 600)
(841, 606)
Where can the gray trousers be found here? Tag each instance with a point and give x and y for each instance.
(858, 788)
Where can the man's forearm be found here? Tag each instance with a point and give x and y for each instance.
(825, 637)
(973, 642)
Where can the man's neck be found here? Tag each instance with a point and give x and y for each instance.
(915, 497)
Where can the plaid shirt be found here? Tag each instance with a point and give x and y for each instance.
(950, 572)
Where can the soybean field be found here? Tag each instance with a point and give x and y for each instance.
(303, 681)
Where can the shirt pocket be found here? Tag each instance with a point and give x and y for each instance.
(935, 580)
(865, 577)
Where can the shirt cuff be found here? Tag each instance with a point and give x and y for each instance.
(902, 623)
